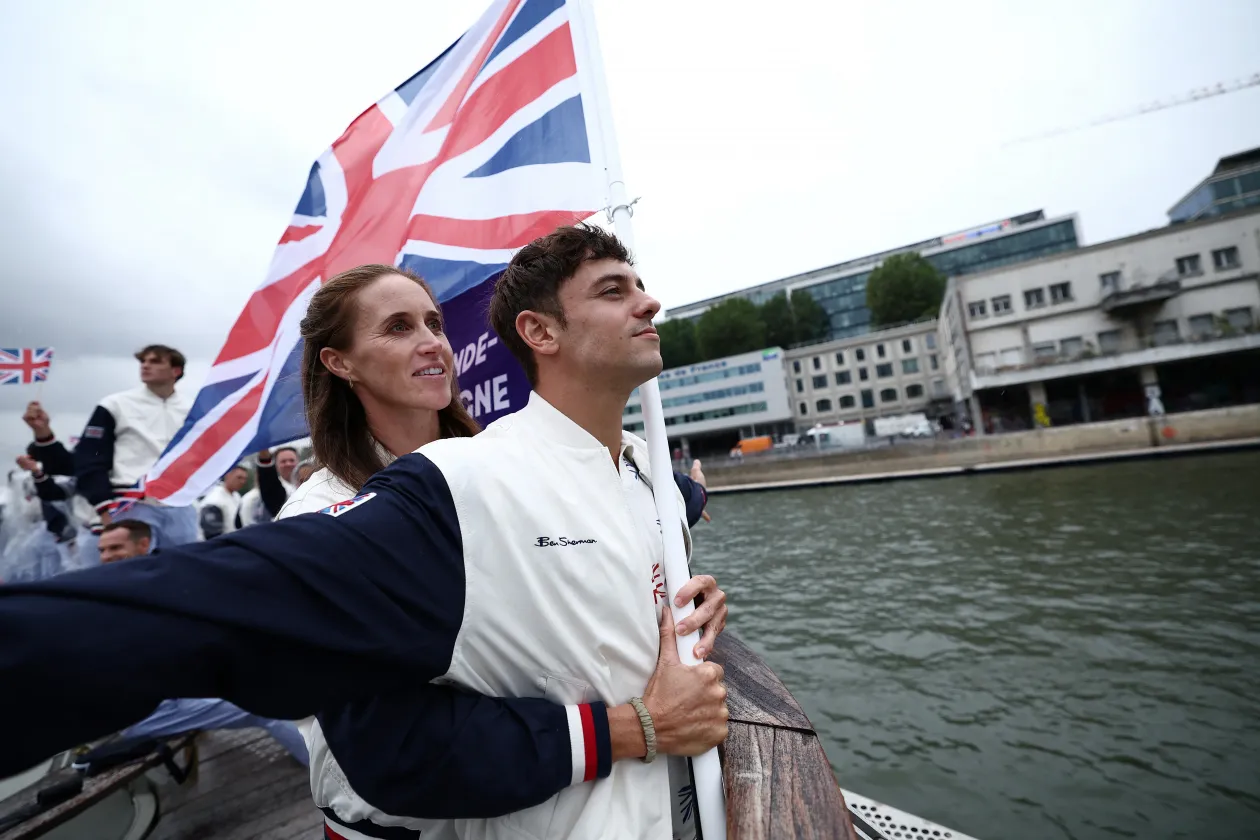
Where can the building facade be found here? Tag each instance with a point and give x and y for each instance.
(1233, 185)
(1162, 321)
(879, 374)
(709, 406)
(841, 288)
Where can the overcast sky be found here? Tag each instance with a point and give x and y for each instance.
(151, 152)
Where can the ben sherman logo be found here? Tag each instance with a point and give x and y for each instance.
(548, 542)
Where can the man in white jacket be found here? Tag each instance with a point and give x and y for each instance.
(218, 509)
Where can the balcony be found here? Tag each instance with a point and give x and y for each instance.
(1129, 351)
(1128, 301)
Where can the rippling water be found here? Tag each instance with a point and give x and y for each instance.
(1065, 653)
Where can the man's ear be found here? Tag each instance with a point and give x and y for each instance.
(144, 543)
(540, 332)
(335, 362)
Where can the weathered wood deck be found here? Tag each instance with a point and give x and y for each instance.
(246, 787)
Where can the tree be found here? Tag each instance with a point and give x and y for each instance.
(812, 321)
(780, 321)
(905, 288)
(678, 342)
(732, 326)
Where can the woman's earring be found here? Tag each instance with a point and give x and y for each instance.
(350, 379)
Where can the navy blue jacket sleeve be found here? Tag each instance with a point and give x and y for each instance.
(53, 454)
(452, 754)
(284, 619)
(49, 490)
(94, 458)
(694, 495)
(270, 489)
(212, 524)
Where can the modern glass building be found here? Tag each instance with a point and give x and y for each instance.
(841, 289)
(1233, 185)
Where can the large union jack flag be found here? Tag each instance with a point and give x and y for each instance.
(490, 146)
(24, 365)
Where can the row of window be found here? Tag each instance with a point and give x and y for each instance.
(716, 413)
(711, 376)
(1190, 265)
(1033, 299)
(847, 401)
(859, 353)
(1110, 342)
(882, 371)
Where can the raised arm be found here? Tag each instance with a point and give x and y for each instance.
(283, 620)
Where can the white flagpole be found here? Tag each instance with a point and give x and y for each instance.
(707, 769)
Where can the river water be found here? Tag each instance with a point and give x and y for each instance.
(1070, 653)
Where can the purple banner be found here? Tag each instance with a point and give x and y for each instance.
(491, 382)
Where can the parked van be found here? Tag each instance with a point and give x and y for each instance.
(747, 446)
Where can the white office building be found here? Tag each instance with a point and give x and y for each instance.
(711, 405)
(878, 374)
(1165, 320)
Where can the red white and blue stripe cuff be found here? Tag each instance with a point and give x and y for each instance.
(589, 741)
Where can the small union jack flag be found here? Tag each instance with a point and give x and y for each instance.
(24, 365)
(342, 507)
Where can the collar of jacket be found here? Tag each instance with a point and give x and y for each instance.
(543, 420)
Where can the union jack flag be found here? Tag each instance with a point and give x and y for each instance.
(24, 365)
(493, 144)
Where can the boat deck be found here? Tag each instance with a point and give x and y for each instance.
(779, 783)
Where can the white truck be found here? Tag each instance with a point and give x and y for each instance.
(904, 425)
(847, 435)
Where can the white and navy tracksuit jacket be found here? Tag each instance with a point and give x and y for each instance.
(124, 437)
(510, 564)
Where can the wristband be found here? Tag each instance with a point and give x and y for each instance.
(649, 729)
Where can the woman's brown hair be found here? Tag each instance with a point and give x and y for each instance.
(337, 422)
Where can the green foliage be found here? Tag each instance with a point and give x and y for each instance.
(780, 321)
(812, 323)
(678, 342)
(732, 326)
(905, 288)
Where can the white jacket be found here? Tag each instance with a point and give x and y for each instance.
(560, 604)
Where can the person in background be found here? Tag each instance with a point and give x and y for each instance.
(303, 472)
(123, 439)
(130, 538)
(51, 453)
(219, 509)
(125, 539)
(272, 487)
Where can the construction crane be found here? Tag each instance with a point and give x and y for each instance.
(1195, 95)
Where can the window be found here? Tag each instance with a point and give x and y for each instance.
(1109, 282)
(862, 375)
(909, 365)
(796, 366)
(930, 340)
(1034, 298)
(883, 371)
(1109, 341)
(847, 401)
(1071, 348)
(817, 363)
(976, 309)
(1189, 266)
(985, 362)
(843, 377)
(839, 357)
(1001, 304)
(1225, 258)
(1240, 319)
(933, 363)
(800, 386)
(820, 382)
(804, 409)
(914, 392)
(861, 354)
(822, 405)
(1060, 292)
(880, 351)
(1202, 326)
(868, 398)
(938, 387)
(888, 395)
(1045, 351)
(907, 346)
(1165, 332)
